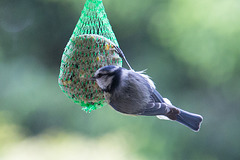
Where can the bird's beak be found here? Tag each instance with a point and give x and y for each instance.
(93, 78)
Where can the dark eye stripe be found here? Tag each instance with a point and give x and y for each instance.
(104, 74)
(100, 75)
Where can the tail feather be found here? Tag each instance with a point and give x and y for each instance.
(190, 120)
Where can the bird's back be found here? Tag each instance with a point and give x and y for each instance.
(132, 94)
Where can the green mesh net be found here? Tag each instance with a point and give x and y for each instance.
(91, 46)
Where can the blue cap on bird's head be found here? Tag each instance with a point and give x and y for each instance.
(108, 68)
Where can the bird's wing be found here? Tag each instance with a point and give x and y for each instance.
(158, 106)
(156, 96)
(155, 108)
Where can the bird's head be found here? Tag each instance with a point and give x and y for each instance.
(104, 77)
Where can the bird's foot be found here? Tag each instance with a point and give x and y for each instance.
(172, 114)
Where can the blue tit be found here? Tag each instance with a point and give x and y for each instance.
(134, 93)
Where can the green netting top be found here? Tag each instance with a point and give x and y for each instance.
(94, 20)
(91, 46)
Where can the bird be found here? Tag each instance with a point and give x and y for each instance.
(134, 93)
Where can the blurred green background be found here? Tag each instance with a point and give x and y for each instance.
(191, 50)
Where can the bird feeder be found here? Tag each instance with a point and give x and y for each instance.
(91, 46)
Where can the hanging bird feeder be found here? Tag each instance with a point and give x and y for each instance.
(91, 46)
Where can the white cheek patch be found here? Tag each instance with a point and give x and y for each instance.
(99, 82)
(104, 82)
(109, 81)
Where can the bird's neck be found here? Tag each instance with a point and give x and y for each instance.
(115, 81)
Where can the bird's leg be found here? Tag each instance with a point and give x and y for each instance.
(172, 113)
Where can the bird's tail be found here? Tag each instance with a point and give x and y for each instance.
(190, 120)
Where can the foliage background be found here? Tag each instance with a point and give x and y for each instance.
(190, 48)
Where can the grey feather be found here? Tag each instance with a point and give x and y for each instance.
(131, 96)
(134, 93)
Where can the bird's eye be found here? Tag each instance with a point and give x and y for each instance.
(99, 75)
